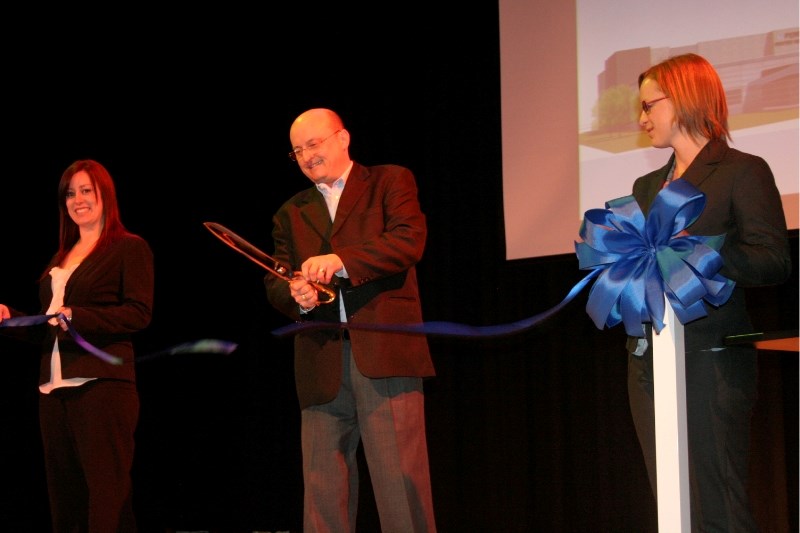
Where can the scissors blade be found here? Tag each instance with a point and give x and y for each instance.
(326, 294)
(248, 250)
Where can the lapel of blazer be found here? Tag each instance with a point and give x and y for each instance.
(654, 186)
(353, 190)
(314, 211)
(88, 267)
(705, 162)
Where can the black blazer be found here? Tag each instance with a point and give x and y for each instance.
(111, 297)
(742, 202)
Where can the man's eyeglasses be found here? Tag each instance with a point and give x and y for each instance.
(297, 153)
(647, 106)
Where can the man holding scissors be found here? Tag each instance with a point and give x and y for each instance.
(361, 230)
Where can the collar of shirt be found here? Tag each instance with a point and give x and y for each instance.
(333, 192)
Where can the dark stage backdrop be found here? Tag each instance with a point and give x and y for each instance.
(190, 112)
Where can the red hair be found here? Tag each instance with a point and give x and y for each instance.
(696, 92)
(104, 188)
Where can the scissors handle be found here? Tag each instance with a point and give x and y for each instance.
(325, 294)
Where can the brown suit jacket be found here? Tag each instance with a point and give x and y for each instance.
(379, 233)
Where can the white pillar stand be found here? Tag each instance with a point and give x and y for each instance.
(672, 456)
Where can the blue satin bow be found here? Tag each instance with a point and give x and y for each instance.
(642, 260)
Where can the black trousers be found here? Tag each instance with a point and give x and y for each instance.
(88, 440)
(720, 395)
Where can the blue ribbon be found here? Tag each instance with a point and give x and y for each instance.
(635, 261)
(200, 346)
(445, 329)
(33, 320)
(640, 261)
(215, 346)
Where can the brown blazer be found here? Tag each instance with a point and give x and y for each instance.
(379, 233)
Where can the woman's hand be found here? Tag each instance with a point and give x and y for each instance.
(59, 321)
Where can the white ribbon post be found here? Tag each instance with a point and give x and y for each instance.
(672, 455)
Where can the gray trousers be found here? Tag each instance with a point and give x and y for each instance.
(388, 415)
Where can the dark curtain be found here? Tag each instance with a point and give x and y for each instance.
(528, 432)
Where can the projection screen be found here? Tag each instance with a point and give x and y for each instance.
(569, 97)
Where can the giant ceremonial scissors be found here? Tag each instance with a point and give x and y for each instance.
(325, 293)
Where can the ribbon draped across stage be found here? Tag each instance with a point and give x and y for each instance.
(200, 346)
(447, 329)
(635, 261)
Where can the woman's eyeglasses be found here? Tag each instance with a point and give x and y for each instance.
(647, 106)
